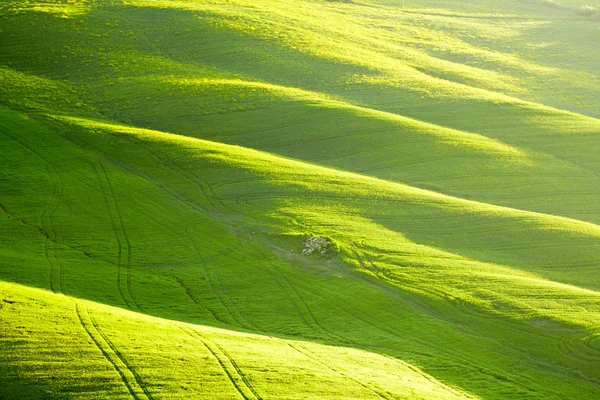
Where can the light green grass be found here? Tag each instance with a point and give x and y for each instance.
(162, 163)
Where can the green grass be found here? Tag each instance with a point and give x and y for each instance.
(162, 163)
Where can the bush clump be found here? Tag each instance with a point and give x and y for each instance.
(315, 244)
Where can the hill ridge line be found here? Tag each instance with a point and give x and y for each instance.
(123, 128)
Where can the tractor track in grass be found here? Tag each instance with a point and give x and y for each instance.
(578, 349)
(105, 188)
(55, 268)
(154, 156)
(129, 376)
(170, 162)
(120, 234)
(164, 162)
(290, 299)
(190, 294)
(50, 229)
(249, 325)
(286, 293)
(27, 147)
(47, 236)
(392, 332)
(296, 299)
(314, 320)
(211, 282)
(239, 371)
(248, 203)
(379, 392)
(227, 364)
(591, 344)
(383, 277)
(271, 271)
(573, 349)
(118, 227)
(125, 236)
(137, 377)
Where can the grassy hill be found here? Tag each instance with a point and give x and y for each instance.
(165, 165)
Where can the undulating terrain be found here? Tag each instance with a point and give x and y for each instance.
(299, 199)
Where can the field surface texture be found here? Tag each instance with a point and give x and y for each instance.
(308, 199)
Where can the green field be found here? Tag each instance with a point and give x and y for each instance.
(165, 164)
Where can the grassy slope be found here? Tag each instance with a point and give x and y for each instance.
(487, 281)
(107, 341)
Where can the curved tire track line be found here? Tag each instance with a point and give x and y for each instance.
(125, 236)
(170, 163)
(452, 356)
(239, 371)
(115, 360)
(49, 228)
(189, 232)
(234, 374)
(299, 304)
(118, 228)
(190, 294)
(137, 377)
(571, 348)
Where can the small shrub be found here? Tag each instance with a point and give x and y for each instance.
(315, 244)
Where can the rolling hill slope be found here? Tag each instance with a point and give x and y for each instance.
(162, 164)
